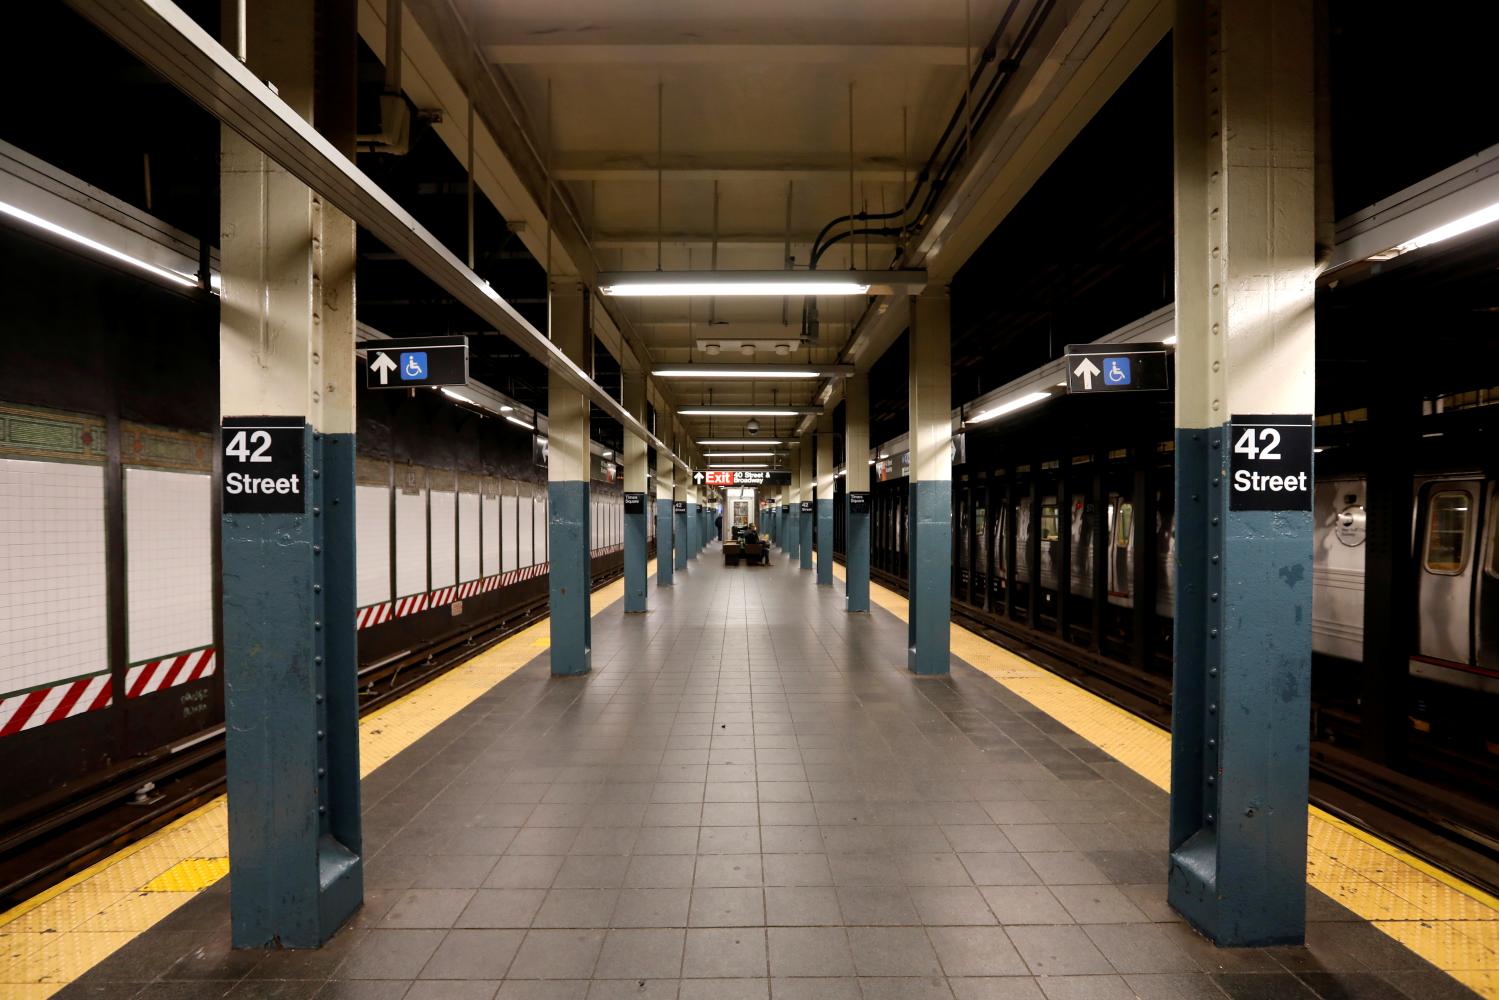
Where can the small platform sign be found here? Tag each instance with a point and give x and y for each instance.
(679, 506)
(1270, 462)
(265, 465)
(858, 502)
(807, 507)
(407, 364)
(785, 508)
(1121, 368)
(634, 503)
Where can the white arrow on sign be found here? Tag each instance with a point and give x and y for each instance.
(1087, 370)
(384, 365)
(699, 477)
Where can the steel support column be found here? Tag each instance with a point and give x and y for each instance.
(825, 500)
(930, 522)
(666, 473)
(637, 524)
(856, 523)
(806, 460)
(568, 472)
(286, 348)
(1245, 224)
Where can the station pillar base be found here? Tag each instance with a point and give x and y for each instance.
(930, 607)
(570, 578)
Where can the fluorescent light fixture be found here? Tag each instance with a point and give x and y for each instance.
(871, 461)
(884, 454)
(740, 441)
(1029, 399)
(739, 454)
(506, 408)
(458, 396)
(1169, 340)
(763, 411)
(742, 465)
(608, 454)
(46, 226)
(841, 473)
(715, 372)
(517, 421)
(1456, 227)
(759, 283)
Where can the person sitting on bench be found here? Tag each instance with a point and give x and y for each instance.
(754, 549)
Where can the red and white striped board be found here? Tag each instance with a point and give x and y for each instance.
(170, 671)
(379, 614)
(28, 710)
(374, 614)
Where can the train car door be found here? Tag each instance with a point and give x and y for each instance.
(1445, 549)
(1486, 600)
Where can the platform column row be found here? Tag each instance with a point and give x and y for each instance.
(569, 469)
(637, 521)
(856, 522)
(930, 525)
(806, 460)
(666, 471)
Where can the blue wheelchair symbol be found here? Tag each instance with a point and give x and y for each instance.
(1116, 371)
(413, 365)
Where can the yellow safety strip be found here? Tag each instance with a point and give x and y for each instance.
(59, 934)
(1449, 923)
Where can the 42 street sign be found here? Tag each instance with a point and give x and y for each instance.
(407, 364)
(1121, 368)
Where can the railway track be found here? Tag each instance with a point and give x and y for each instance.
(1442, 830)
(72, 829)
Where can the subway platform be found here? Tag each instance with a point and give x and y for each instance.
(751, 797)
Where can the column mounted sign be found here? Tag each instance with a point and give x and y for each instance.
(265, 465)
(1270, 462)
(407, 364)
(679, 506)
(858, 502)
(634, 503)
(806, 506)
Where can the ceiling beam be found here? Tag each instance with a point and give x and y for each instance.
(624, 239)
(562, 53)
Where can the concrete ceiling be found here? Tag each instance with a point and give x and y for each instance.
(750, 105)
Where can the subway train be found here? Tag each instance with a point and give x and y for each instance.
(1454, 556)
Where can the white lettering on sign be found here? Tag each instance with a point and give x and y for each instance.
(243, 484)
(1246, 481)
(239, 446)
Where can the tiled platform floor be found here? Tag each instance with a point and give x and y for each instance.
(751, 797)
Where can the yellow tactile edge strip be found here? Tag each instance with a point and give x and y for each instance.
(57, 935)
(1450, 924)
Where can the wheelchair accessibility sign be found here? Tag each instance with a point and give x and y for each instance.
(406, 364)
(1137, 367)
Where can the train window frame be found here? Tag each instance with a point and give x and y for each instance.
(1465, 544)
(1054, 532)
(1125, 518)
(1492, 569)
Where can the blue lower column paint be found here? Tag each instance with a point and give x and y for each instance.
(569, 578)
(856, 558)
(1241, 706)
(637, 542)
(292, 735)
(824, 542)
(665, 560)
(805, 526)
(694, 529)
(679, 536)
(930, 602)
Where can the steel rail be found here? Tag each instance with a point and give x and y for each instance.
(171, 43)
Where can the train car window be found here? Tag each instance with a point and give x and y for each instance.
(1126, 525)
(1050, 531)
(1448, 517)
(1493, 569)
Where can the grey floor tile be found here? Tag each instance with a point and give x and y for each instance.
(1025, 904)
(728, 871)
(1058, 950)
(501, 908)
(427, 908)
(1085, 988)
(996, 988)
(1140, 948)
(1098, 904)
(732, 907)
(390, 954)
(904, 988)
(652, 908)
(474, 954)
(893, 951)
(642, 954)
(576, 908)
(725, 989)
(975, 951)
(725, 953)
(809, 951)
(815, 989)
(557, 954)
(876, 905)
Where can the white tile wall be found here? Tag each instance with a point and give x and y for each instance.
(444, 553)
(372, 541)
(468, 537)
(491, 511)
(539, 520)
(511, 549)
(525, 531)
(52, 585)
(168, 562)
(411, 543)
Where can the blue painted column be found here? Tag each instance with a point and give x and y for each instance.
(807, 512)
(666, 471)
(856, 523)
(694, 524)
(1245, 378)
(679, 531)
(636, 521)
(569, 468)
(930, 525)
(824, 502)
(793, 527)
(286, 347)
